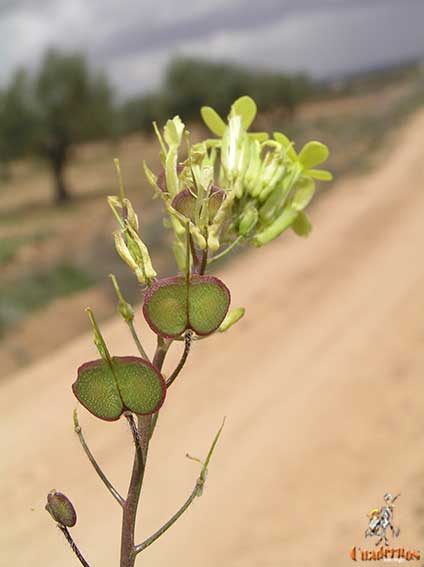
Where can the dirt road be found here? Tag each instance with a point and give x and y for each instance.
(322, 385)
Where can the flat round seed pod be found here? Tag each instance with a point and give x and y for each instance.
(132, 383)
(215, 201)
(141, 386)
(208, 303)
(172, 305)
(97, 390)
(165, 307)
(61, 509)
(185, 203)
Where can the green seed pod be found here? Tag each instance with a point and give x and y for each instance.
(61, 509)
(173, 305)
(231, 319)
(274, 230)
(248, 221)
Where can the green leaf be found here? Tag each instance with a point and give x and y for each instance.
(287, 145)
(320, 174)
(141, 386)
(246, 108)
(213, 121)
(302, 225)
(312, 154)
(305, 189)
(165, 307)
(97, 390)
(208, 302)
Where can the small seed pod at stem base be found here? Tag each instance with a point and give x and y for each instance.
(61, 509)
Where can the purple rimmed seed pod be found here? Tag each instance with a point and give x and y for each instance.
(61, 509)
(171, 305)
(208, 303)
(143, 392)
(165, 307)
(185, 203)
(216, 197)
(131, 384)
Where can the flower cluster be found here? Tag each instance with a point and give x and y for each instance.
(239, 186)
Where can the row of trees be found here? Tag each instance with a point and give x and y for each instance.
(66, 103)
(192, 83)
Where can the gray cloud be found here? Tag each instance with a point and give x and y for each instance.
(134, 40)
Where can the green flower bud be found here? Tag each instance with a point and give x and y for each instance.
(124, 308)
(122, 249)
(131, 216)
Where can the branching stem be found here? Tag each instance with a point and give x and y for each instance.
(226, 251)
(129, 516)
(137, 340)
(171, 521)
(197, 491)
(187, 345)
(96, 466)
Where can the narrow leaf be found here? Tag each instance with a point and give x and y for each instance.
(321, 174)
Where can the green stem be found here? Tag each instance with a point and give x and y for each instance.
(197, 491)
(203, 262)
(137, 340)
(96, 466)
(171, 521)
(226, 251)
(187, 345)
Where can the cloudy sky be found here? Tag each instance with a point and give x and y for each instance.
(134, 39)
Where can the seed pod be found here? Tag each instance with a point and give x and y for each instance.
(248, 221)
(173, 305)
(231, 319)
(61, 509)
(274, 230)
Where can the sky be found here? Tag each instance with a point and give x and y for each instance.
(133, 40)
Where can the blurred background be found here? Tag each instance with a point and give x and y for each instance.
(80, 84)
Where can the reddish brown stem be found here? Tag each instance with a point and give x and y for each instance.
(128, 554)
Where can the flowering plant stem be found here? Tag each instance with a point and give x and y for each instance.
(239, 188)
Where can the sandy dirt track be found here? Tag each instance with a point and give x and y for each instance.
(323, 390)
